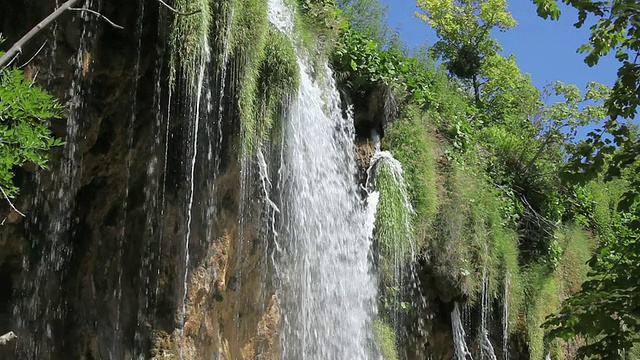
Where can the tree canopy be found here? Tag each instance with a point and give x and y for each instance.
(464, 33)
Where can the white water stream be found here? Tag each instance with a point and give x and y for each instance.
(326, 283)
(461, 350)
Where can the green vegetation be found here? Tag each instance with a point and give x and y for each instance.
(25, 110)
(486, 166)
(386, 339)
(268, 70)
(607, 309)
(545, 290)
(463, 28)
(393, 223)
(189, 41)
(414, 149)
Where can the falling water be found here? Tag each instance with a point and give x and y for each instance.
(459, 337)
(505, 317)
(326, 284)
(486, 349)
(399, 258)
(41, 310)
(328, 289)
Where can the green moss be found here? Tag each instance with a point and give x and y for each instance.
(544, 300)
(279, 77)
(268, 70)
(507, 272)
(409, 140)
(318, 24)
(189, 40)
(546, 290)
(393, 224)
(386, 339)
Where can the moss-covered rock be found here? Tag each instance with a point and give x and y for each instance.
(385, 339)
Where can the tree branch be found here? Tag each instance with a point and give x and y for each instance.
(34, 55)
(10, 203)
(4, 339)
(100, 16)
(176, 11)
(16, 49)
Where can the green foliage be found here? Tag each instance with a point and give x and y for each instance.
(322, 20)
(279, 77)
(545, 290)
(616, 30)
(189, 40)
(508, 96)
(394, 236)
(606, 310)
(468, 239)
(364, 64)
(368, 18)
(410, 141)
(464, 31)
(541, 292)
(24, 134)
(268, 72)
(386, 339)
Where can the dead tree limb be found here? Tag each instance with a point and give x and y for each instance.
(4, 339)
(16, 49)
(100, 16)
(10, 203)
(178, 12)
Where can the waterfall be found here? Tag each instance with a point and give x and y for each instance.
(459, 337)
(325, 281)
(41, 313)
(486, 349)
(329, 291)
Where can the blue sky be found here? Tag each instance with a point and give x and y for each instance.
(543, 48)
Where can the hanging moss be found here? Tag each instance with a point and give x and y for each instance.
(278, 78)
(393, 225)
(545, 290)
(386, 339)
(409, 140)
(189, 40)
(269, 70)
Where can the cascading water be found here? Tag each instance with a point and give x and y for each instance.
(329, 291)
(459, 337)
(325, 281)
(505, 317)
(41, 313)
(486, 349)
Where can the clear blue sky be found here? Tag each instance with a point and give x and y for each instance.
(543, 48)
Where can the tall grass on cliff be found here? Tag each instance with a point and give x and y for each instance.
(189, 40)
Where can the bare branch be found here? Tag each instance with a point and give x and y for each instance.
(176, 11)
(34, 55)
(16, 49)
(4, 339)
(100, 16)
(10, 203)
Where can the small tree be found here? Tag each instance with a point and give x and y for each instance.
(25, 110)
(464, 31)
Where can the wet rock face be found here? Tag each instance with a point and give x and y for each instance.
(97, 268)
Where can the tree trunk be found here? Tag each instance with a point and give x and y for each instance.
(476, 89)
